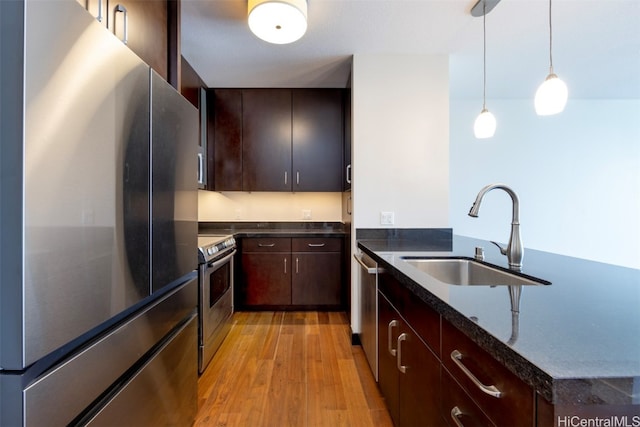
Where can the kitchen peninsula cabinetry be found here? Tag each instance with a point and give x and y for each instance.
(277, 139)
(408, 370)
(290, 273)
(149, 28)
(444, 371)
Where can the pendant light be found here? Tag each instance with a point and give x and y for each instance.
(551, 96)
(485, 124)
(278, 21)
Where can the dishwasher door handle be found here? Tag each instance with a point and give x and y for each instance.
(370, 270)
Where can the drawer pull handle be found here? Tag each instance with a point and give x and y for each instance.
(315, 245)
(390, 349)
(403, 337)
(455, 414)
(265, 245)
(491, 390)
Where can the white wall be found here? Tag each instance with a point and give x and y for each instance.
(400, 137)
(400, 120)
(267, 206)
(577, 175)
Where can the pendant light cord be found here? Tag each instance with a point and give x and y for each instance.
(550, 41)
(484, 53)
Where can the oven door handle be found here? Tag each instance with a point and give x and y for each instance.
(215, 264)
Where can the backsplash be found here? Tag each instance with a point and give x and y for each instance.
(267, 206)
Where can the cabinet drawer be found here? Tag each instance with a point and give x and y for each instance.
(457, 406)
(266, 244)
(514, 406)
(316, 244)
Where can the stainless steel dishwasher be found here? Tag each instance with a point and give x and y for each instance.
(369, 308)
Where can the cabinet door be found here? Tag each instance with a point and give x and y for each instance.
(317, 139)
(316, 278)
(146, 30)
(266, 140)
(419, 381)
(227, 139)
(347, 141)
(266, 279)
(388, 374)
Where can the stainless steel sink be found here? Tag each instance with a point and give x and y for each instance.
(468, 272)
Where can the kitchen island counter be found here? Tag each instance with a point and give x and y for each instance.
(575, 341)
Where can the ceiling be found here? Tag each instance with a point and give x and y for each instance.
(596, 44)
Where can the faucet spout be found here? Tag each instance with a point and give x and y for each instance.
(514, 250)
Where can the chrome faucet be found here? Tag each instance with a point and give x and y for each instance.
(514, 250)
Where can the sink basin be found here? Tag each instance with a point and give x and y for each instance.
(468, 272)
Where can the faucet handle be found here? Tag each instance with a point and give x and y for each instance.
(503, 249)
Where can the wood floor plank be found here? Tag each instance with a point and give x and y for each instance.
(289, 369)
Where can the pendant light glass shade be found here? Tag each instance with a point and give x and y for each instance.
(485, 125)
(551, 96)
(278, 21)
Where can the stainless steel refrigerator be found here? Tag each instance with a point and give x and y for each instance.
(98, 227)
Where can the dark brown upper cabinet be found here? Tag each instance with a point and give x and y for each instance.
(151, 29)
(225, 140)
(277, 139)
(317, 141)
(266, 140)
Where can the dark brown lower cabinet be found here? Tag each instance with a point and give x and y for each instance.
(290, 272)
(268, 278)
(408, 371)
(432, 374)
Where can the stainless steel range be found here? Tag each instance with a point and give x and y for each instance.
(215, 296)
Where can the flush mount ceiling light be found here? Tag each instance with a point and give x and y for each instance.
(485, 124)
(551, 96)
(278, 21)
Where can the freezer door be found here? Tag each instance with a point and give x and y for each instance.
(174, 184)
(86, 179)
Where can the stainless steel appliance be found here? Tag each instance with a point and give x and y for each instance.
(215, 295)
(369, 309)
(98, 220)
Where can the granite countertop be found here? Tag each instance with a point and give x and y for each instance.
(273, 229)
(575, 341)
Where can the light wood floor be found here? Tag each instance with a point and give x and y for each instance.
(289, 369)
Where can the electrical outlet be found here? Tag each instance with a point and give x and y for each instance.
(306, 213)
(386, 218)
